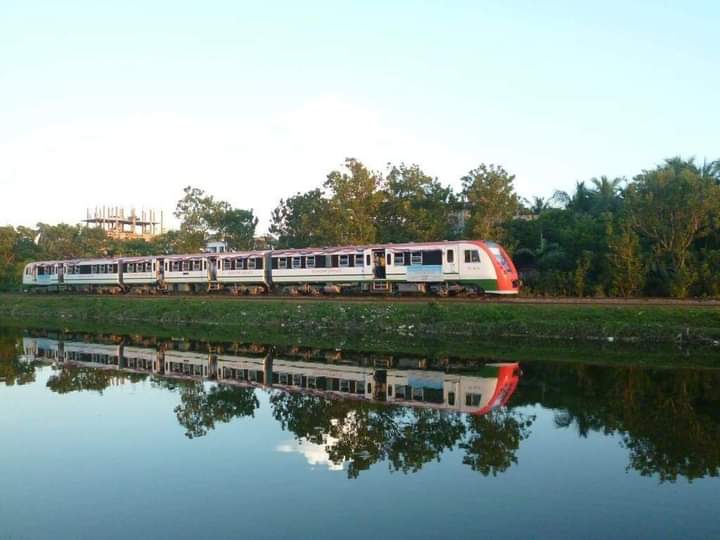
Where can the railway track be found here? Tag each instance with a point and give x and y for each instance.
(636, 302)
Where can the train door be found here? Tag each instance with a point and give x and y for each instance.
(59, 268)
(159, 269)
(212, 269)
(379, 266)
(451, 262)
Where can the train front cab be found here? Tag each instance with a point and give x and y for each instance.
(507, 280)
(43, 274)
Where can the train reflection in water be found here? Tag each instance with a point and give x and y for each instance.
(402, 381)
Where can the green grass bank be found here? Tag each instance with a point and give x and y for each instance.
(392, 322)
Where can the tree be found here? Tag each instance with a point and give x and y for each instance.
(200, 409)
(490, 195)
(353, 205)
(297, 220)
(204, 217)
(671, 207)
(624, 260)
(494, 440)
(415, 207)
(236, 227)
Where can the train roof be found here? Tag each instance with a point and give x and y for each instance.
(354, 249)
(327, 250)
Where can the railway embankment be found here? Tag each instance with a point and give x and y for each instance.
(462, 324)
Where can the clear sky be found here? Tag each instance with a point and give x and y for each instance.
(125, 103)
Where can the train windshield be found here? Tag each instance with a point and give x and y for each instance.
(500, 257)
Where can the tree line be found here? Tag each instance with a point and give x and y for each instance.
(656, 234)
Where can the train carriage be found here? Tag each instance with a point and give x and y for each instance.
(350, 266)
(472, 265)
(246, 271)
(93, 274)
(141, 272)
(187, 272)
(43, 274)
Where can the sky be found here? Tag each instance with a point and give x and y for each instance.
(125, 103)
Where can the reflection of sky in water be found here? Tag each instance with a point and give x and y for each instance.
(315, 454)
(118, 465)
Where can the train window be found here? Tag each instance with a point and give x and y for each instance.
(131, 267)
(196, 265)
(417, 394)
(389, 390)
(367, 260)
(310, 261)
(399, 259)
(148, 267)
(282, 262)
(251, 263)
(432, 257)
(175, 266)
(94, 269)
(297, 262)
(369, 388)
(388, 259)
(344, 261)
(186, 266)
(473, 400)
(451, 398)
(227, 264)
(358, 259)
(416, 258)
(450, 255)
(472, 256)
(258, 263)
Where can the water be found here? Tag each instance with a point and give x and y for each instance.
(140, 437)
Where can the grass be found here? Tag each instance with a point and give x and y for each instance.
(633, 334)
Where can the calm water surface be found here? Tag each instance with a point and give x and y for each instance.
(138, 437)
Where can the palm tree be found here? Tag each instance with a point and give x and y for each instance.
(606, 194)
(539, 205)
(711, 170)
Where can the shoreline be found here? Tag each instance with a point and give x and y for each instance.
(634, 334)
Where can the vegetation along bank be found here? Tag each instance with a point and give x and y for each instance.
(373, 321)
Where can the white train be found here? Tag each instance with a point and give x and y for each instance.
(475, 394)
(437, 267)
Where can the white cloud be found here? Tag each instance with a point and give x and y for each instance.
(315, 454)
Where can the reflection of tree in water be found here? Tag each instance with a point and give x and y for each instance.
(361, 434)
(78, 379)
(200, 409)
(12, 371)
(669, 420)
(494, 439)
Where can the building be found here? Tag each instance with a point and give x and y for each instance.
(118, 225)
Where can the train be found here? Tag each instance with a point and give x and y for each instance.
(477, 393)
(441, 268)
